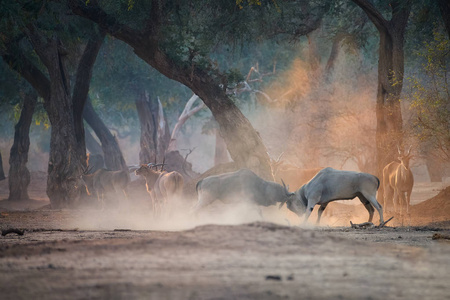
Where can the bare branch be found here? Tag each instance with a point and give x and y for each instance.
(188, 112)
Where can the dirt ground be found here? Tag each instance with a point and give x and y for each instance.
(124, 253)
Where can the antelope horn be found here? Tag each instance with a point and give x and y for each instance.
(286, 187)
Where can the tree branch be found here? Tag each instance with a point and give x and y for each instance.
(374, 15)
(188, 111)
(400, 13)
(84, 72)
(22, 65)
(91, 10)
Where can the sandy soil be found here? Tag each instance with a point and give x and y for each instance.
(221, 254)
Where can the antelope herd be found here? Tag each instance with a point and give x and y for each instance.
(313, 187)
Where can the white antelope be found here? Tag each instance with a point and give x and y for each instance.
(330, 185)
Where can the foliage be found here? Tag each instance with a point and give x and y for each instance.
(430, 96)
(119, 76)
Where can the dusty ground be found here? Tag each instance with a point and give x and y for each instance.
(125, 254)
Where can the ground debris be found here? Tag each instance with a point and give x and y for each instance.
(273, 277)
(12, 230)
(364, 225)
(439, 236)
(367, 225)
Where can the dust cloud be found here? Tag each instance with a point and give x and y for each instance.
(175, 217)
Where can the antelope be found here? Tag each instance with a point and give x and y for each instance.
(162, 186)
(398, 180)
(330, 185)
(106, 183)
(240, 185)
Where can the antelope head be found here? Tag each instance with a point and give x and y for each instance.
(405, 157)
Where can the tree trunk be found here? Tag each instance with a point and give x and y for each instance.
(65, 162)
(389, 116)
(334, 53)
(162, 132)
(19, 176)
(91, 144)
(67, 146)
(314, 58)
(81, 88)
(155, 133)
(390, 79)
(112, 154)
(435, 168)
(175, 162)
(221, 152)
(444, 7)
(147, 122)
(243, 142)
(2, 172)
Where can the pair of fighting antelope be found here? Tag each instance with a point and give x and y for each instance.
(326, 186)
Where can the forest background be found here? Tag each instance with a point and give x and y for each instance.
(304, 74)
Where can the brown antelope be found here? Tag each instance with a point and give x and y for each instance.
(106, 183)
(162, 186)
(398, 180)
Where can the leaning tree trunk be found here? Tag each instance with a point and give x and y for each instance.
(81, 87)
(19, 176)
(221, 152)
(244, 143)
(91, 144)
(112, 154)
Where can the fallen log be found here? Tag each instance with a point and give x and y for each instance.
(367, 225)
(438, 236)
(364, 225)
(12, 230)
